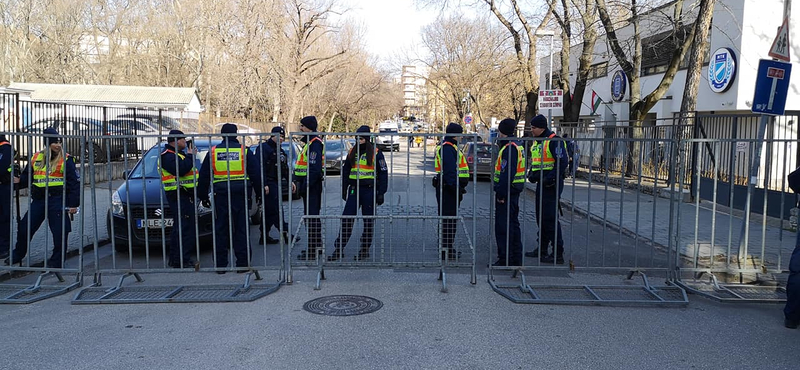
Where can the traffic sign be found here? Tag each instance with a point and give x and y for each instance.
(780, 46)
(772, 86)
(551, 99)
(468, 119)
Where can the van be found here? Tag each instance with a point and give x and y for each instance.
(388, 139)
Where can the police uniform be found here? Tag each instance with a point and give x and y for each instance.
(549, 162)
(791, 310)
(269, 154)
(228, 166)
(54, 188)
(6, 182)
(364, 182)
(453, 176)
(179, 178)
(309, 172)
(509, 182)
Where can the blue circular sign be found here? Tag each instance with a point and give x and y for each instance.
(619, 83)
(721, 70)
(467, 119)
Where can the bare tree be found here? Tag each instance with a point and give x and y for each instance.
(699, 50)
(587, 13)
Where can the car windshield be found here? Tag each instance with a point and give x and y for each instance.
(388, 131)
(148, 166)
(484, 149)
(334, 145)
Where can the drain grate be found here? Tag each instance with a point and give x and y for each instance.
(343, 305)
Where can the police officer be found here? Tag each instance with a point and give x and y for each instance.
(268, 155)
(179, 177)
(452, 177)
(309, 174)
(791, 310)
(56, 192)
(509, 182)
(228, 165)
(365, 179)
(6, 181)
(548, 164)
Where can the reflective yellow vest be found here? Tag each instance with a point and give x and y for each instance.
(546, 162)
(301, 164)
(187, 181)
(40, 176)
(228, 163)
(361, 171)
(519, 175)
(463, 167)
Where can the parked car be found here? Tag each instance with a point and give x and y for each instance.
(336, 151)
(479, 158)
(292, 149)
(146, 132)
(166, 123)
(143, 187)
(72, 127)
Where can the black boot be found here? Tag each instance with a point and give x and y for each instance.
(338, 253)
(362, 255)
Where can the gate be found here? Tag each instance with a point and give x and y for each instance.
(407, 229)
(600, 215)
(139, 221)
(732, 246)
(40, 202)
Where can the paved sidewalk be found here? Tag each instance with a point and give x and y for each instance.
(699, 229)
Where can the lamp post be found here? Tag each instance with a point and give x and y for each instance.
(552, 35)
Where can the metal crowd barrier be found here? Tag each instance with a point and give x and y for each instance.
(598, 231)
(139, 222)
(408, 231)
(41, 242)
(732, 239)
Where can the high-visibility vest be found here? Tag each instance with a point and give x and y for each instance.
(228, 163)
(360, 170)
(546, 162)
(463, 167)
(519, 174)
(169, 181)
(301, 164)
(6, 143)
(40, 176)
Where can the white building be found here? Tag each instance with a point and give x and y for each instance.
(413, 82)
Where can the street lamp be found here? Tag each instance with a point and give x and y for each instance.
(552, 35)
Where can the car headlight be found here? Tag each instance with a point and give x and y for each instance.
(116, 205)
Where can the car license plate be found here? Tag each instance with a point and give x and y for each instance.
(154, 223)
(484, 160)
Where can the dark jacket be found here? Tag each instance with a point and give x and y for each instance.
(507, 171)
(315, 164)
(267, 156)
(174, 164)
(381, 182)
(6, 155)
(205, 178)
(449, 162)
(71, 180)
(562, 161)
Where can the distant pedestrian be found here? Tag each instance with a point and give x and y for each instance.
(571, 157)
(55, 193)
(791, 311)
(509, 182)
(309, 173)
(365, 178)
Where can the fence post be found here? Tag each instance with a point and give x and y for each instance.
(696, 122)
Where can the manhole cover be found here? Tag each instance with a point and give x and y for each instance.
(343, 305)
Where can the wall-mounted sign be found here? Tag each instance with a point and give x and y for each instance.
(619, 83)
(721, 70)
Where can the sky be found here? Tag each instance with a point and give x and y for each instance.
(391, 25)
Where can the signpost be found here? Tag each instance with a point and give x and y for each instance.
(551, 99)
(772, 83)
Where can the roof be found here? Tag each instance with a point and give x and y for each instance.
(130, 96)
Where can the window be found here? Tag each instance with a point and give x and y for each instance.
(598, 70)
(657, 50)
